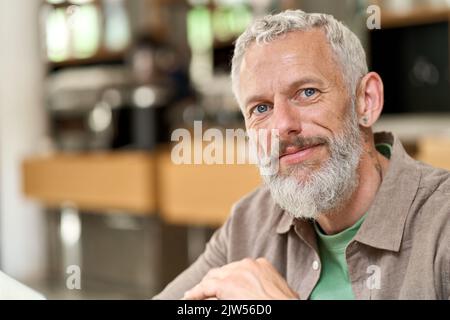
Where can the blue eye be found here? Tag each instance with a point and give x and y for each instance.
(261, 108)
(309, 92)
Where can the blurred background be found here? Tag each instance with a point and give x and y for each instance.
(90, 92)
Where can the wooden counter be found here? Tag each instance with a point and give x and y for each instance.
(122, 181)
(435, 150)
(201, 194)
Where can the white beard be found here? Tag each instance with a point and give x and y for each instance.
(327, 188)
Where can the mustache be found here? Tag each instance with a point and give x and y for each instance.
(300, 142)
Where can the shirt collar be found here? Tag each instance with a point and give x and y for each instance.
(303, 227)
(386, 218)
(285, 223)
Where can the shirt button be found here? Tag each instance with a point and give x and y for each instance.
(315, 265)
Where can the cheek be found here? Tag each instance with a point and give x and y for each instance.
(328, 117)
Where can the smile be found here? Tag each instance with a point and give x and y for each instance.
(297, 155)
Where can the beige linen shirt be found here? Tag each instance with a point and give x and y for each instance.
(401, 251)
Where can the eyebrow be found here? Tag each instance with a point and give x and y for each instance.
(294, 84)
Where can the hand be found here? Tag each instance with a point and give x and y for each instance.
(245, 279)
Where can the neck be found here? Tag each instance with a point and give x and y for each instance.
(371, 169)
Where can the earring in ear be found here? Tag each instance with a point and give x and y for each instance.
(364, 120)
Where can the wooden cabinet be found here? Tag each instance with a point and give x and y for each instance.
(201, 194)
(95, 181)
(435, 150)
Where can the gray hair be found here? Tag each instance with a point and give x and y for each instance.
(346, 47)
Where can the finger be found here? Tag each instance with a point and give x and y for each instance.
(226, 270)
(205, 289)
(208, 288)
(269, 271)
(263, 261)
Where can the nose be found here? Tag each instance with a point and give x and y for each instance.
(286, 119)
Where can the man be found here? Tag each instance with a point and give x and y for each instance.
(349, 215)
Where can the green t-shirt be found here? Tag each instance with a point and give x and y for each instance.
(334, 282)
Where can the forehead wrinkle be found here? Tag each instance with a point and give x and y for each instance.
(284, 54)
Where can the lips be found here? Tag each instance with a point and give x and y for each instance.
(295, 154)
(294, 149)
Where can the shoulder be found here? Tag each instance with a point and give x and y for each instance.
(434, 179)
(434, 189)
(428, 224)
(432, 203)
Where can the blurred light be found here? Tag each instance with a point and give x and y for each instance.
(199, 29)
(117, 30)
(70, 227)
(230, 21)
(57, 35)
(144, 97)
(240, 19)
(221, 25)
(73, 31)
(112, 97)
(229, 2)
(86, 31)
(80, 2)
(100, 117)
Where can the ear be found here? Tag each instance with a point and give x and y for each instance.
(370, 99)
